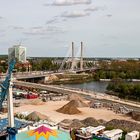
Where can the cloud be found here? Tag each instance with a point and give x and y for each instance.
(70, 2)
(43, 30)
(109, 15)
(37, 27)
(53, 20)
(47, 4)
(75, 14)
(36, 31)
(93, 8)
(2, 30)
(90, 9)
(18, 27)
(1, 17)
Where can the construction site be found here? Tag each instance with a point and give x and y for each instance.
(52, 112)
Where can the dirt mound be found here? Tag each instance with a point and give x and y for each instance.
(36, 116)
(67, 121)
(76, 124)
(135, 115)
(71, 107)
(77, 103)
(33, 102)
(90, 121)
(68, 109)
(101, 121)
(123, 124)
(53, 77)
(75, 97)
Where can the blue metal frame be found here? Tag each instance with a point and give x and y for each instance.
(4, 90)
(5, 84)
(12, 133)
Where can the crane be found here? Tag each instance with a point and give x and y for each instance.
(5, 88)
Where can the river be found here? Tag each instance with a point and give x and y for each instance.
(93, 86)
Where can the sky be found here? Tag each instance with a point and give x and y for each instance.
(108, 28)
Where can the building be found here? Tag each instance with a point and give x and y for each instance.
(17, 52)
(134, 135)
(114, 134)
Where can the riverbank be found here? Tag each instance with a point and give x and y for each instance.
(70, 78)
(67, 90)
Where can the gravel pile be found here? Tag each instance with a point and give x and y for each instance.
(123, 124)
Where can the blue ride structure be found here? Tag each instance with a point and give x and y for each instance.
(4, 92)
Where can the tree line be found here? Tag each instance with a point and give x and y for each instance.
(119, 69)
(125, 90)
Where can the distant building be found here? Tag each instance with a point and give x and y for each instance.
(17, 52)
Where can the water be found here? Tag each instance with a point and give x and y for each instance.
(93, 86)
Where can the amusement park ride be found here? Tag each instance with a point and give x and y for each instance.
(6, 90)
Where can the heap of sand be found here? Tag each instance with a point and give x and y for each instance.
(75, 97)
(71, 107)
(36, 116)
(68, 109)
(123, 124)
(32, 102)
(66, 121)
(76, 124)
(78, 103)
(90, 121)
(135, 115)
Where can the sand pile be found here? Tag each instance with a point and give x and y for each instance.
(90, 121)
(76, 124)
(72, 123)
(101, 121)
(135, 115)
(75, 97)
(36, 116)
(78, 103)
(68, 109)
(67, 121)
(53, 77)
(71, 107)
(32, 102)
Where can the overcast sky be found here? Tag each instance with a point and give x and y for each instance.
(108, 28)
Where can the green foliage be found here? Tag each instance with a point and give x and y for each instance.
(126, 90)
(44, 65)
(3, 66)
(119, 69)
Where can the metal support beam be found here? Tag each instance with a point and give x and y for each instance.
(10, 105)
(72, 67)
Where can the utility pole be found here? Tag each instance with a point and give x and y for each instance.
(81, 58)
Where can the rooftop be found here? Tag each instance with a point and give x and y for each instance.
(112, 132)
(18, 124)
